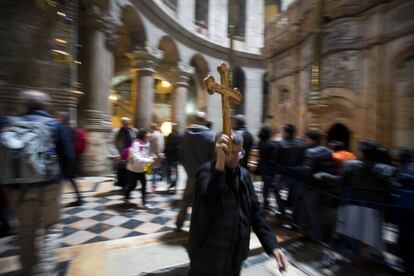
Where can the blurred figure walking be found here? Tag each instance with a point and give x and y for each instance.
(172, 152)
(68, 156)
(36, 189)
(198, 148)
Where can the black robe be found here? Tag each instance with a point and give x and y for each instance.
(225, 209)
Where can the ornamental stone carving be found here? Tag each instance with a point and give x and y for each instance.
(341, 70)
(145, 58)
(342, 36)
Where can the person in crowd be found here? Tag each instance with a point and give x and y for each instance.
(123, 140)
(403, 161)
(80, 147)
(366, 185)
(290, 154)
(172, 152)
(317, 158)
(198, 148)
(156, 146)
(238, 124)
(37, 199)
(125, 135)
(139, 158)
(340, 154)
(68, 157)
(266, 148)
(225, 210)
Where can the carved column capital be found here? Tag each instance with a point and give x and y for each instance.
(98, 20)
(183, 74)
(145, 59)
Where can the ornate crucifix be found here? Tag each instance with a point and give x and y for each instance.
(228, 95)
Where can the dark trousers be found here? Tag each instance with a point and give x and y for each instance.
(267, 186)
(131, 184)
(172, 172)
(76, 188)
(312, 208)
(4, 212)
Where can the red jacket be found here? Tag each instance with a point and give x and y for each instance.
(80, 140)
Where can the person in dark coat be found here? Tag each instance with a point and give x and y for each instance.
(172, 152)
(225, 209)
(123, 140)
(366, 186)
(239, 125)
(266, 148)
(198, 148)
(68, 158)
(316, 158)
(290, 154)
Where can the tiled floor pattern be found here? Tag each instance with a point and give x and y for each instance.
(106, 216)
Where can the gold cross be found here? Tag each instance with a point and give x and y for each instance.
(228, 95)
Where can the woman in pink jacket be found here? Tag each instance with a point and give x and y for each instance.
(138, 157)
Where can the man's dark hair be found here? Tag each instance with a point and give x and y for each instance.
(314, 135)
(289, 130)
(265, 133)
(338, 145)
(240, 123)
(369, 149)
(405, 156)
(142, 133)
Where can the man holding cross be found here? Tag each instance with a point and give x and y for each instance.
(225, 205)
(225, 209)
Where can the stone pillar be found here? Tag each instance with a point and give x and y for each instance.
(97, 73)
(143, 63)
(181, 90)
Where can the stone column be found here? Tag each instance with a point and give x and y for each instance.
(97, 73)
(143, 62)
(181, 90)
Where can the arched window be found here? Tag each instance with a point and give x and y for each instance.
(239, 82)
(237, 17)
(201, 13)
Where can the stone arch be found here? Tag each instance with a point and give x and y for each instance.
(198, 93)
(239, 81)
(339, 132)
(169, 47)
(341, 111)
(130, 34)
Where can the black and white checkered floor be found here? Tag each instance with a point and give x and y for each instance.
(105, 215)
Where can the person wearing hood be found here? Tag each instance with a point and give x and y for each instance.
(198, 148)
